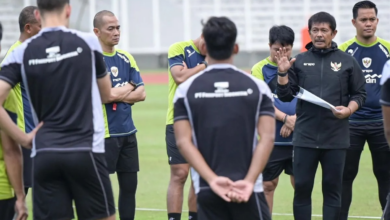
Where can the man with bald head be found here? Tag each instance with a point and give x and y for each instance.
(127, 89)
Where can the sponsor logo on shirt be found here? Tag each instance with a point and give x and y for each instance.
(372, 78)
(55, 56)
(222, 91)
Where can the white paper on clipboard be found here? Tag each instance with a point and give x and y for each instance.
(310, 97)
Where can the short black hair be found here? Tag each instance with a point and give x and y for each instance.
(220, 35)
(51, 5)
(363, 4)
(98, 19)
(281, 34)
(1, 31)
(322, 17)
(27, 16)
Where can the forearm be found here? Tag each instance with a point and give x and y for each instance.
(260, 157)
(10, 128)
(284, 92)
(187, 73)
(137, 95)
(14, 164)
(279, 115)
(353, 105)
(196, 160)
(118, 94)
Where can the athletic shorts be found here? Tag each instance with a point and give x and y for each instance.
(7, 209)
(63, 177)
(213, 207)
(280, 159)
(27, 167)
(373, 133)
(122, 154)
(174, 156)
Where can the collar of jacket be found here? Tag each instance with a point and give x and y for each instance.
(310, 47)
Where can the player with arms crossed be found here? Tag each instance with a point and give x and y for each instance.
(17, 99)
(127, 89)
(18, 107)
(281, 156)
(366, 124)
(219, 114)
(185, 60)
(68, 149)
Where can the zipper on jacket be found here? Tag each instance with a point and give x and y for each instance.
(319, 118)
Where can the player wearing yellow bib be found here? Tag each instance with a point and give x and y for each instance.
(17, 106)
(185, 59)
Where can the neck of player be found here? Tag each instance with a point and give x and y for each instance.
(212, 61)
(107, 49)
(366, 41)
(54, 20)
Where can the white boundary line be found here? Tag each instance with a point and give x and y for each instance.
(275, 214)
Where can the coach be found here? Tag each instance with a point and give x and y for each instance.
(321, 135)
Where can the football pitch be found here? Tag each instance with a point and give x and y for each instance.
(149, 118)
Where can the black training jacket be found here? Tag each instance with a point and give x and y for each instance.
(332, 75)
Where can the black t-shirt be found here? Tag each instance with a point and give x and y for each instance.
(59, 68)
(223, 105)
(385, 82)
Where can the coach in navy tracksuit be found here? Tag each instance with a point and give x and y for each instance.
(321, 135)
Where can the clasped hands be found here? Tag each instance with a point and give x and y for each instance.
(238, 191)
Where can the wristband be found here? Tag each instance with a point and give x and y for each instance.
(350, 111)
(204, 62)
(285, 118)
(282, 74)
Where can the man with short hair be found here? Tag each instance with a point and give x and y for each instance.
(18, 99)
(385, 103)
(219, 114)
(18, 107)
(366, 124)
(281, 156)
(319, 133)
(68, 145)
(127, 88)
(185, 59)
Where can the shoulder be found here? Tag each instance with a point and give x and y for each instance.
(89, 38)
(384, 43)
(127, 57)
(344, 46)
(177, 48)
(257, 69)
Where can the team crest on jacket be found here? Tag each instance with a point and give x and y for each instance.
(335, 66)
(114, 71)
(366, 62)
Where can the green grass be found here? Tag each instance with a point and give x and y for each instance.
(149, 117)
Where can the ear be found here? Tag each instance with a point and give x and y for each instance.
(96, 31)
(203, 47)
(27, 28)
(68, 10)
(334, 34)
(37, 15)
(236, 49)
(269, 44)
(353, 22)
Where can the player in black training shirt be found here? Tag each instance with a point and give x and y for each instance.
(63, 71)
(385, 102)
(218, 116)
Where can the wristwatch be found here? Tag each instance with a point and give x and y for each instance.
(204, 62)
(282, 74)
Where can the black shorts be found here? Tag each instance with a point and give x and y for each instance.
(373, 133)
(212, 207)
(61, 177)
(7, 209)
(280, 159)
(122, 154)
(174, 156)
(27, 167)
